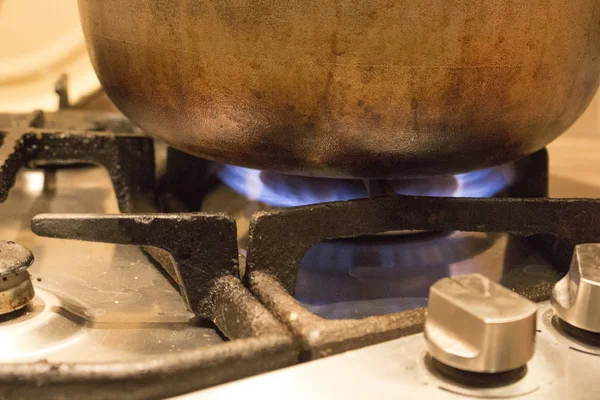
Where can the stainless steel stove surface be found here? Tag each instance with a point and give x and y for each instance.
(401, 369)
(94, 302)
(108, 321)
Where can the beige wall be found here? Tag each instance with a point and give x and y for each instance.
(588, 125)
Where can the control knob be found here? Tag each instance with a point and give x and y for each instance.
(477, 325)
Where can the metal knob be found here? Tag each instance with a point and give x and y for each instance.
(477, 325)
(16, 289)
(576, 297)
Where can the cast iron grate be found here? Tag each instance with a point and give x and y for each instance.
(205, 253)
(42, 139)
(280, 238)
(202, 257)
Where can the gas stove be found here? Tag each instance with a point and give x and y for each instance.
(159, 274)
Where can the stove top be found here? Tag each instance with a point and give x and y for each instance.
(140, 291)
(401, 368)
(97, 302)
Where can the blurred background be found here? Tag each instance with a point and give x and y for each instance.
(589, 123)
(41, 41)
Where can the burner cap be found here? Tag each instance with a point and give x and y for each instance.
(14, 258)
(16, 289)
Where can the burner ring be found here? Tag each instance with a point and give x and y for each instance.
(24, 334)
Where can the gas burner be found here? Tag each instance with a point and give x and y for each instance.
(169, 306)
(280, 190)
(16, 289)
(374, 275)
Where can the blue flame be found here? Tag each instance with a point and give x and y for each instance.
(280, 190)
(374, 276)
